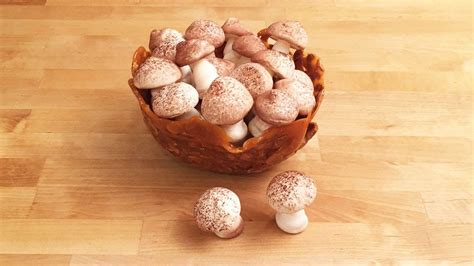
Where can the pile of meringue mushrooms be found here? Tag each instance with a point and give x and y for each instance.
(250, 81)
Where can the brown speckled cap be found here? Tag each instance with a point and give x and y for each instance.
(290, 31)
(291, 191)
(255, 78)
(226, 102)
(166, 34)
(156, 72)
(302, 93)
(205, 30)
(302, 77)
(188, 52)
(248, 45)
(279, 63)
(217, 210)
(165, 49)
(234, 27)
(224, 67)
(174, 100)
(276, 107)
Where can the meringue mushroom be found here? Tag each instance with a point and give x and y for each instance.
(225, 104)
(255, 78)
(276, 63)
(273, 108)
(232, 29)
(218, 211)
(224, 67)
(299, 90)
(193, 53)
(289, 193)
(246, 46)
(205, 30)
(288, 34)
(156, 72)
(176, 100)
(165, 34)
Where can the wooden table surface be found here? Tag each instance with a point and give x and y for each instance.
(82, 181)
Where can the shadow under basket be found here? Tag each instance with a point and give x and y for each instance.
(204, 145)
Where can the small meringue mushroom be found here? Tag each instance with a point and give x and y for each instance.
(176, 100)
(299, 90)
(224, 67)
(232, 29)
(193, 53)
(205, 30)
(255, 78)
(156, 72)
(273, 108)
(288, 34)
(225, 104)
(289, 193)
(276, 63)
(246, 46)
(218, 211)
(165, 34)
(302, 77)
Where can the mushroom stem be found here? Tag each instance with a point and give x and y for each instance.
(229, 53)
(236, 132)
(282, 47)
(234, 231)
(192, 113)
(257, 126)
(187, 75)
(204, 74)
(292, 223)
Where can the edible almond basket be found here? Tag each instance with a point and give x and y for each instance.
(207, 146)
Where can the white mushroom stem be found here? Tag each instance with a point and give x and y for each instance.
(271, 72)
(282, 47)
(187, 74)
(292, 223)
(229, 53)
(193, 112)
(233, 231)
(236, 132)
(204, 73)
(257, 126)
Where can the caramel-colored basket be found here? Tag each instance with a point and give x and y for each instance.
(205, 145)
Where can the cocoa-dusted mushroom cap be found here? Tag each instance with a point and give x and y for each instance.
(224, 67)
(276, 107)
(289, 31)
(190, 51)
(300, 91)
(248, 45)
(174, 100)
(166, 34)
(279, 63)
(291, 191)
(255, 78)
(234, 27)
(205, 30)
(156, 72)
(226, 102)
(165, 49)
(217, 210)
(302, 77)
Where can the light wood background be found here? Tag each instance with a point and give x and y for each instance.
(83, 182)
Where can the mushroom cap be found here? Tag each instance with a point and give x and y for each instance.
(205, 30)
(301, 92)
(174, 100)
(290, 31)
(156, 72)
(217, 210)
(190, 51)
(165, 49)
(226, 102)
(224, 67)
(234, 27)
(291, 191)
(276, 107)
(255, 78)
(165, 34)
(248, 45)
(302, 77)
(279, 63)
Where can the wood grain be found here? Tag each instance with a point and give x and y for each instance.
(83, 182)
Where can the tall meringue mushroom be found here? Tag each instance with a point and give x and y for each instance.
(288, 34)
(289, 193)
(218, 211)
(232, 29)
